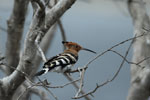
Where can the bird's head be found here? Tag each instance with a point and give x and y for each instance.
(75, 46)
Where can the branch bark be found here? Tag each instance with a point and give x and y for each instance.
(9, 84)
(140, 78)
(53, 14)
(15, 26)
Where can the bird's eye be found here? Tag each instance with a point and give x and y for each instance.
(74, 46)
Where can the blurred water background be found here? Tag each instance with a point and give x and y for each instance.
(97, 25)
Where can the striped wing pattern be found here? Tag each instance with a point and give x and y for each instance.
(59, 63)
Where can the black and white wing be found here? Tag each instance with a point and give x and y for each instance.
(59, 63)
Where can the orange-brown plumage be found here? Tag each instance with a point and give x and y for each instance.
(72, 47)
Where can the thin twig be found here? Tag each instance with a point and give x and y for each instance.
(40, 51)
(113, 47)
(100, 54)
(81, 82)
(31, 87)
(63, 34)
(19, 98)
(138, 63)
(93, 91)
(41, 93)
(45, 60)
(59, 22)
(143, 60)
(115, 75)
(122, 56)
(76, 86)
(44, 86)
(104, 53)
(62, 86)
(125, 58)
(148, 30)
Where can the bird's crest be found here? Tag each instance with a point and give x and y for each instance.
(74, 46)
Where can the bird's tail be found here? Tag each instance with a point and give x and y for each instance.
(44, 71)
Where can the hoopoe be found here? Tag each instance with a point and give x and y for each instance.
(63, 61)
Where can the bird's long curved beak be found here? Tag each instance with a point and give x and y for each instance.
(88, 50)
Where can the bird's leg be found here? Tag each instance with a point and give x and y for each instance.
(68, 72)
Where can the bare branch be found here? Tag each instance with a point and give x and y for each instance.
(54, 14)
(29, 53)
(30, 87)
(113, 47)
(11, 67)
(40, 50)
(45, 59)
(108, 81)
(140, 78)
(44, 86)
(76, 86)
(64, 39)
(81, 82)
(40, 93)
(129, 62)
(93, 91)
(100, 54)
(110, 49)
(63, 34)
(15, 30)
(62, 86)
(44, 45)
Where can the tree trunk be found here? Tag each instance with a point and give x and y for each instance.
(15, 30)
(140, 74)
(40, 24)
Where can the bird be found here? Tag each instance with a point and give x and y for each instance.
(63, 61)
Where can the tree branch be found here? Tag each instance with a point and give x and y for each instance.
(15, 26)
(63, 35)
(110, 49)
(140, 78)
(44, 45)
(54, 14)
(40, 93)
(45, 87)
(31, 87)
(26, 62)
(81, 82)
(108, 81)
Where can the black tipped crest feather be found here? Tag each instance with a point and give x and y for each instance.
(63, 42)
